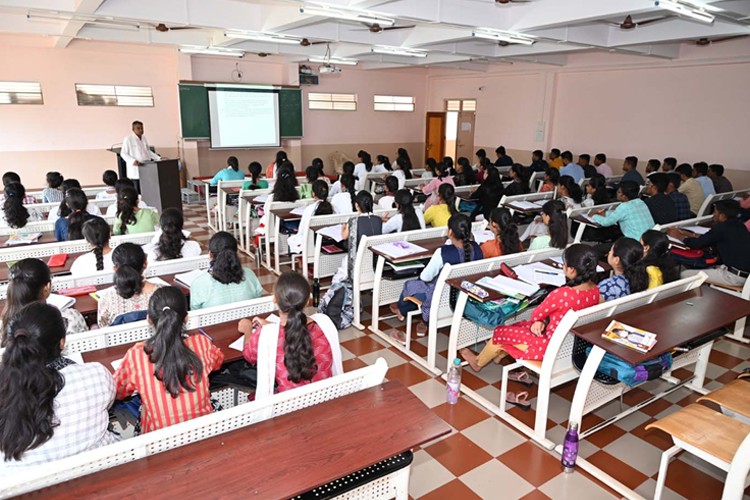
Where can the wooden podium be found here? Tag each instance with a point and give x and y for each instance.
(160, 184)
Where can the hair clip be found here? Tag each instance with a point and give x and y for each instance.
(165, 308)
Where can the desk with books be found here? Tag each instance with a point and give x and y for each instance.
(46, 237)
(282, 215)
(54, 271)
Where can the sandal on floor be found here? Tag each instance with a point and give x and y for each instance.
(745, 373)
(521, 400)
(395, 310)
(421, 329)
(521, 377)
(398, 335)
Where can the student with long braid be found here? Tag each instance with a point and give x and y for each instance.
(407, 218)
(170, 242)
(506, 240)
(97, 234)
(439, 214)
(629, 272)
(345, 201)
(70, 227)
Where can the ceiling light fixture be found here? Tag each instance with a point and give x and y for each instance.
(347, 14)
(264, 37)
(501, 36)
(212, 51)
(684, 10)
(398, 51)
(333, 60)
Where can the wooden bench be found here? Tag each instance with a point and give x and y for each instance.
(15, 253)
(509, 201)
(710, 200)
(733, 399)
(40, 227)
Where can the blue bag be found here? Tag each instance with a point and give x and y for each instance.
(631, 375)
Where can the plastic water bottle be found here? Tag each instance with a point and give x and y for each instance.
(453, 387)
(316, 292)
(570, 448)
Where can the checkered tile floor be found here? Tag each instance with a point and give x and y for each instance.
(485, 458)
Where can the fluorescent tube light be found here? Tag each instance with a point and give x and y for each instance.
(333, 60)
(500, 36)
(399, 51)
(346, 14)
(684, 10)
(212, 51)
(264, 37)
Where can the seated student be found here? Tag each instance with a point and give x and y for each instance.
(480, 154)
(538, 163)
(629, 272)
(285, 187)
(551, 179)
(745, 209)
(465, 175)
(169, 371)
(632, 214)
(700, 174)
(318, 163)
(63, 210)
(255, 169)
(584, 161)
(489, 193)
(11, 177)
(402, 154)
(681, 202)
(600, 162)
(303, 354)
(503, 160)
(407, 218)
(29, 280)
(384, 161)
(448, 162)
(721, 183)
(653, 165)
(571, 169)
(690, 187)
(347, 168)
(122, 183)
(131, 219)
(506, 240)
(520, 178)
(659, 204)
(364, 224)
(109, 177)
(273, 167)
(388, 200)
(70, 227)
(630, 167)
(529, 339)
(226, 280)
(669, 164)
(555, 221)
(320, 206)
(170, 241)
(596, 191)
(660, 265)
(438, 215)
(52, 193)
(96, 232)
(131, 292)
(53, 408)
(231, 172)
(730, 238)
(364, 167)
(311, 175)
(569, 192)
(461, 249)
(429, 168)
(343, 202)
(431, 188)
(402, 171)
(14, 213)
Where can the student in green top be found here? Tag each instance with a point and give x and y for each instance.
(130, 218)
(226, 281)
(555, 218)
(231, 173)
(312, 174)
(255, 169)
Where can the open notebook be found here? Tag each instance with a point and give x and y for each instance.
(188, 278)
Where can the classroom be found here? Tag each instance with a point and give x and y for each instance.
(375, 249)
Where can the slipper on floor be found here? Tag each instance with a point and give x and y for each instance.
(521, 400)
(521, 377)
(421, 329)
(398, 335)
(745, 373)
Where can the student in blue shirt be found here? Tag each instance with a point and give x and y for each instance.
(231, 173)
(629, 166)
(574, 170)
(700, 173)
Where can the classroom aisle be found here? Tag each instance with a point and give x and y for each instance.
(485, 458)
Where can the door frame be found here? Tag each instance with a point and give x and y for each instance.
(441, 146)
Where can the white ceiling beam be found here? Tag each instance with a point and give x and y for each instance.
(551, 13)
(674, 30)
(71, 29)
(551, 59)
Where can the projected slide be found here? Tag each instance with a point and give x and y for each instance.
(243, 118)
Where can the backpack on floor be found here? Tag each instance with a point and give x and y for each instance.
(631, 375)
(338, 304)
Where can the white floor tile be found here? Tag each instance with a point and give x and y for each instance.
(493, 436)
(573, 486)
(430, 392)
(494, 480)
(635, 452)
(390, 357)
(427, 474)
(647, 490)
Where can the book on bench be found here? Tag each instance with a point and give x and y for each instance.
(22, 239)
(629, 336)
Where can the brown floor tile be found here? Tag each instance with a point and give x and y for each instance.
(655, 437)
(727, 377)
(532, 463)
(689, 399)
(451, 491)
(723, 359)
(399, 353)
(589, 421)
(566, 390)
(656, 407)
(419, 349)
(618, 469)
(407, 374)
(692, 483)
(461, 415)
(527, 417)
(353, 364)
(472, 381)
(535, 495)
(682, 373)
(635, 396)
(605, 436)
(361, 345)
(458, 454)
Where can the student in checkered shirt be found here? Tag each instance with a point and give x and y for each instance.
(50, 407)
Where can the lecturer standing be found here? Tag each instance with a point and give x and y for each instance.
(135, 151)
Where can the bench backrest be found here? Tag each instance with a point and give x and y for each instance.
(710, 200)
(12, 254)
(194, 430)
(696, 221)
(46, 208)
(42, 226)
(572, 212)
(548, 195)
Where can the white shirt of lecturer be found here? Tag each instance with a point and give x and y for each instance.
(136, 149)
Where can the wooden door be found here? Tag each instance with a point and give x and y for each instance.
(435, 138)
(465, 135)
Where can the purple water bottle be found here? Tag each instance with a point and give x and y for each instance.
(570, 448)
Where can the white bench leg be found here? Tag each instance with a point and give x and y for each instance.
(739, 332)
(401, 483)
(663, 466)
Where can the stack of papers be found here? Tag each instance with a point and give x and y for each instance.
(399, 249)
(158, 281)
(60, 301)
(22, 238)
(538, 273)
(239, 344)
(333, 232)
(260, 199)
(528, 205)
(482, 236)
(188, 278)
(298, 210)
(697, 229)
(509, 287)
(586, 217)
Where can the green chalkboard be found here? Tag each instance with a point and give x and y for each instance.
(194, 112)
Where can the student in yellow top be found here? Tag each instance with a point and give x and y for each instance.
(438, 215)
(131, 219)
(555, 160)
(660, 266)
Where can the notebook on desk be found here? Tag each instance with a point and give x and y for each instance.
(508, 287)
(188, 278)
(23, 239)
(60, 301)
(399, 249)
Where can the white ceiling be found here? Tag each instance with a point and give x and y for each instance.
(441, 27)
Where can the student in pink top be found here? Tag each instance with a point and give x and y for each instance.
(431, 188)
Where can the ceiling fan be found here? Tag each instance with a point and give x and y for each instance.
(163, 28)
(702, 42)
(376, 28)
(306, 42)
(628, 23)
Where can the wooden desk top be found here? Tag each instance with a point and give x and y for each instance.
(473, 278)
(55, 271)
(525, 210)
(47, 237)
(675, 320)
(277, 458)
(286, 214)
(579, 218)
(250, 198)
(232, 190)
(430, 245)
